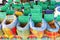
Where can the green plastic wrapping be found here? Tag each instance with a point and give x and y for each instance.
(17, 6)
(26, 5)
(37, 7)
(36, 10)
(23, 19)
(49, 17)
(10, 11)
(26, 11)
(37, 17)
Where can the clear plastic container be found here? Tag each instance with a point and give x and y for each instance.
(9, 29)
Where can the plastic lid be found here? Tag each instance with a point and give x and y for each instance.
(37, 17)
(36, 10)
(58, 18)
(26, 11)
(10, 12)
(2, 15)
(49, 17)
(23, 19)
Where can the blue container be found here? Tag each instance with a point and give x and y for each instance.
(23, 32)
(42, 28)
(57, 5)
(51, 29)
(12, 24)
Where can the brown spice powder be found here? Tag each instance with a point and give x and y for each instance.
(52, 25)
(23, 25)
(38, 24)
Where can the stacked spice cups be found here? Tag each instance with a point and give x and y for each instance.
(23, 27)
(36, 22)
(37, 25)
(52, 27)
(58, 22)
(17, 22)
(57, 18)
(9, 26)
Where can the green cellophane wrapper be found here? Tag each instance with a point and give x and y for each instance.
(36, 10)
(26, 5)
(37, 17)
(49, 17)
(17, 6)
(23, 19)
(26, 11)
(37, 7)
(10, 11)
